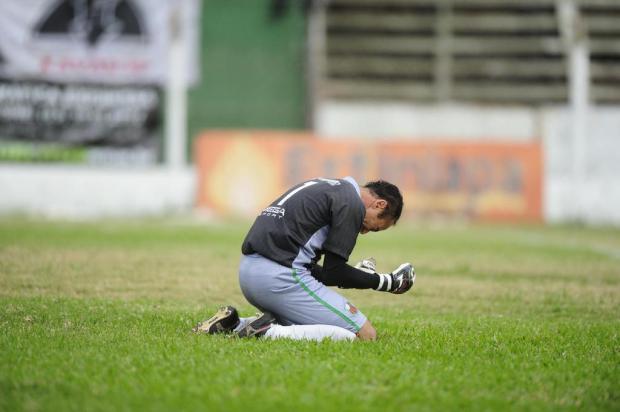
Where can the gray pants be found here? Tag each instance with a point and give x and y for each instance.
(294, 296)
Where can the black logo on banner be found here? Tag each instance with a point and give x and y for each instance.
(92, 20)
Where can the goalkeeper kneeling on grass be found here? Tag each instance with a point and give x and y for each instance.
(279, 274)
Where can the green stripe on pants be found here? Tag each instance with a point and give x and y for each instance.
(322, 302)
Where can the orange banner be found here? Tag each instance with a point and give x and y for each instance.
(242, 172)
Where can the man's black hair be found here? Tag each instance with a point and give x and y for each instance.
(390, 193)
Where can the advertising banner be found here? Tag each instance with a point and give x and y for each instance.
(79, 123)
(99, 41)
(81, 80)
(242, 172)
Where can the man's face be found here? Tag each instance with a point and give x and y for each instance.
(372, 221)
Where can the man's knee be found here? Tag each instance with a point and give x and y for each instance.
(367, 332)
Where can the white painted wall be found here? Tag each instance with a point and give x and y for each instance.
(595, 199)
(397, 120)
(84, 192)
(81, 192)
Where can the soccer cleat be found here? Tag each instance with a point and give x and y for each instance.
(258, 327)
(225, 320)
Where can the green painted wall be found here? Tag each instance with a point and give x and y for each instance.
(252, 68)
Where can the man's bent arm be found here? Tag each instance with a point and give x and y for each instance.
(336, 272)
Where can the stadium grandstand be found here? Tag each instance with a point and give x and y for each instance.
(479, 51)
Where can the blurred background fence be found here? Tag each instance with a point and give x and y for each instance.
(543, 74)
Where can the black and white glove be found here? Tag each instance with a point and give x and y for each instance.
(368, 265)
(400, 280)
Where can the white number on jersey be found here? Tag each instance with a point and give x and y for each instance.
(292, 192)
(331, 182)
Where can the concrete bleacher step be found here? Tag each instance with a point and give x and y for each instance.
(503, 51)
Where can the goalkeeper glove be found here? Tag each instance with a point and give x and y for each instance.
(400, 280)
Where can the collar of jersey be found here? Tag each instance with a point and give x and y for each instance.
(354, 183)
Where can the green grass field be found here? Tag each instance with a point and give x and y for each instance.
(97, 316)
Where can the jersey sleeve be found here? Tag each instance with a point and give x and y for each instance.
(347, 215)
(336, 272)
